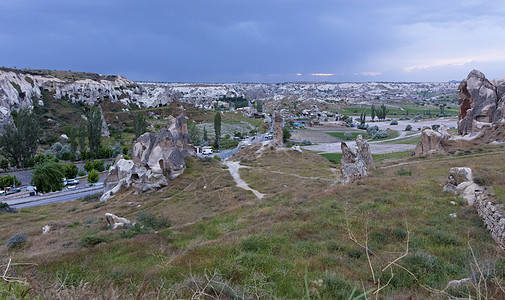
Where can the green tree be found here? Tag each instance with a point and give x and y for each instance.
(205, 137)
(70, 170)
(94, 130)
(286, 134)
(139, 125)
(73, 139)
(9, 180)
(217, 129)
(4, 164)
(373, 112)
(362, 118)
(93, 176)
(384, 111)
(19, 142)
(82, 136)
(259, 105)
(48, 177)
(194, 133)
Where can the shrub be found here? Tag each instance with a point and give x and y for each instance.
(92, 240)
(4, 207)
(381, 134)
(16, 240)
(146, 223)
(408, 128)
(336, 286)
(362, 126)
(217, 158)
(305, 143)
(93, 176)
(348, 136)
(81, 173)
(394, 122)
(404, 172)
(372, 129)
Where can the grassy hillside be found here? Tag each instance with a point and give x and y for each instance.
(204, 235)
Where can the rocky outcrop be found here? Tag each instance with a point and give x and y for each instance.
(430, 142)
(492, 213)
(356, 163)
(116, 222)
(278, 127)
(156, 159)
(460, 182)
(481, 103)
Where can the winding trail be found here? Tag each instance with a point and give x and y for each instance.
(233, 167)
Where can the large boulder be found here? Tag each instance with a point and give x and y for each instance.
(356, 163)
(481, 103)
(156, 159)
(430, 142)
(117, 222)
(460, 182)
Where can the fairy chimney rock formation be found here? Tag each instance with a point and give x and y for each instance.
(481, 103)
(430, 142)
(156, 159)
(278, 126)
(356, 163)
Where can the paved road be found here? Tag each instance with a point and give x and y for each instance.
(54, 198)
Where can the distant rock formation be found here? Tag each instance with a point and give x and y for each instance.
(356, 163)
(278, 127)
(481, 103)
(156, 158)
(430, 142)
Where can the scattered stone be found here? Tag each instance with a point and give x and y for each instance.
(63, 138)
(455, 284)
(454, 203)
(453, 215)
(297, 148)
(116, 222)
(156, 159)
(356, 163)
(460, 181)
(46, 229)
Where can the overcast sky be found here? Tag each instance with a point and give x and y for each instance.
(257, 40)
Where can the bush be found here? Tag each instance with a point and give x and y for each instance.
(4, 207)
(348, 136)
(93, 176)
(16, 240)
(305, 143)
(408, 128)
(404, 172)
(394, 122)
(372, 129)
(336, 286)
(381, 134)
(362, 126)
(81, 173)
(92, 240)
(4, 164)
(146, 223)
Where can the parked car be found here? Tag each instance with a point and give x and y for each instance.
(73, 181)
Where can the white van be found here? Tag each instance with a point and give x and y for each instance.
(207, 150)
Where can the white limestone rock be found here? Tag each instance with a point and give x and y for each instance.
(117, 222)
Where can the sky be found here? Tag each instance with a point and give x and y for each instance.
(257, 40)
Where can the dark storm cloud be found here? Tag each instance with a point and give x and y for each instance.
(258, 40)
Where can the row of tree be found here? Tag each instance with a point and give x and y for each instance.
(19, 142)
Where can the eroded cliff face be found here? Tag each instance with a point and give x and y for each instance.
(20, 89)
